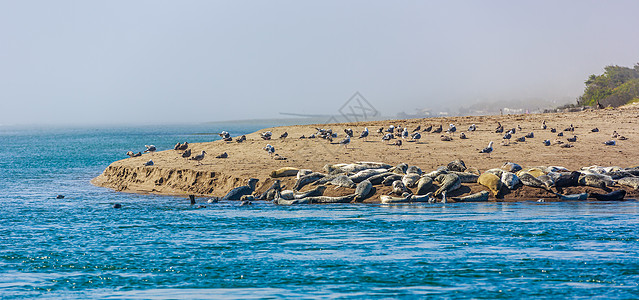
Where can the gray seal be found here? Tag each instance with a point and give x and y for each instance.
(399, 188)
(509, 179)
(378, 179)
(414, 170)
(630, 181)
(399, 169)
(365, 174)
(466, 177)
(457, 165)
(595, 180)
(410, 179)
(529, 180)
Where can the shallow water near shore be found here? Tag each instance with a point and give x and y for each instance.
(161, 247)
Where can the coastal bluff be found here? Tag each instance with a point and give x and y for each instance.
(173, 175)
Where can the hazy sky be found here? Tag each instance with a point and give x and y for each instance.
(196, 61)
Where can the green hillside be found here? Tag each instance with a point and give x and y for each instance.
(615, 87)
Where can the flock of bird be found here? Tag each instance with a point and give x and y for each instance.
(392, 135)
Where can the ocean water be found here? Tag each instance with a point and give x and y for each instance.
(161, 247)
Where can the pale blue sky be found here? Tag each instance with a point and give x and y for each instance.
(168, 61)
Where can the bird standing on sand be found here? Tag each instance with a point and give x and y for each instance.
(390, 129)
(416, 136)
(462, 136)
(472, 127)
(284, 135)
(387, 137)
(199, 157)
(451, 129)
(148, 163)
(269, 149)
(266, 135)
(364, 133)
(405, 133)
(546, 142)
(488, 149)
(543, 125)
(345, 141)
(349, 132)
(150, 148)
(499, 128)
(507, 136)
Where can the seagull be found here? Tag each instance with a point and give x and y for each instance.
(241, 139)
(521, 139)
(390, 129)
(472, 127)
(418, 128)
(553, 130)
(398, 143)
(148, 163)
(284, 135)
(269, 149)
(345, 141)
(199, 157)
(530, 135)
(186, 153)
(224, 134)
(595, 129)
(380, 130)
(546, 142)
(610, 143)
(445, 138)
(416, 136)
(462, 136)
(438, 130)
(405, 133)
(451, 129)
(149, 148)
(543, 125)
(223, 155)
(177, 146)
(572, 139)
(500, 128)
(266, 135)
(364, 133)
(349, 132)
(428, 129)
(488, 149)
(560, 134)
(387, 137)
(184, 146)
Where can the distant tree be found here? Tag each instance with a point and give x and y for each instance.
(610, 88)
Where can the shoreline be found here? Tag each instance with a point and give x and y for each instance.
(173, 175)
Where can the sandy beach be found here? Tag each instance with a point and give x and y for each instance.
(173, 175)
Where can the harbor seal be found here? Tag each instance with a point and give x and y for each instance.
(363, 190)
(511, 167)
(271, 192)
(399, 169)
(284, 172)
(466, 177)
(238, 192)
(447, 183)
(306, 179)
(497, 172)
(410, 179)
(491, 181)
(379, 178)
(388, 181)
(617, 195)
(439, 171)
(343, 181)
(582, 196)
(566, 180)
(509, 179)
(457, 165)
(595, 180)
(405, 198)
(630, 181)
(365, 174)
(424, 184)
(414, 170)
(477, 197)
(529, 180)
(399, 188)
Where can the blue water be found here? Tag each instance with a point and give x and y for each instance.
(161, 247)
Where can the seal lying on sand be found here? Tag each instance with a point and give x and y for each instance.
(423, 185)
(271, 192)
(306, 179)
(630, 181)
(491, 181)
(343, 181)
(612, 196)
(284, 172)
(447, 183)
(529, 180)
(399, 188)
(363, 190)
(238, 192)
(477, 197)
(410, 179)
